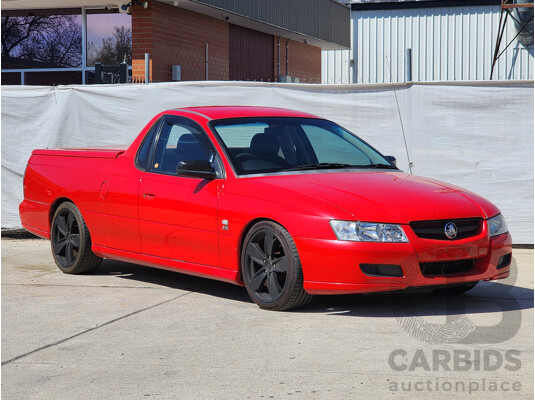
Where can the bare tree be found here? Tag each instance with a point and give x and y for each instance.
(16, 30)
(55, 40)
(114, 49)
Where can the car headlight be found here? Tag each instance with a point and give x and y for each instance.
(368, 232)
(497, 225)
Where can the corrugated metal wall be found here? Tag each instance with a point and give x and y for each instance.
(450, 43)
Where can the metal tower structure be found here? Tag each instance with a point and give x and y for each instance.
(511, 8)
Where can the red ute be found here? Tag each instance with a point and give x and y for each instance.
(286, 203)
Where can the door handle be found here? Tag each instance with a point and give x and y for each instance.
(148, 196)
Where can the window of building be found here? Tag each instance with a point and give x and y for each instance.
(109, 39)
(61, 46)
(41, 41)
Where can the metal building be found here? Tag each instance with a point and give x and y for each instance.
(429, 40)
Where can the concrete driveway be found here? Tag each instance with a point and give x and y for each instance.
(130, 332)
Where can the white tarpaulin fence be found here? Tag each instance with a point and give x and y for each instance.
(475, 135)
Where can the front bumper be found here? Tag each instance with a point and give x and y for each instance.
(333, 266)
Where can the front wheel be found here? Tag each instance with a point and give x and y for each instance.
(71, 243)
(271, 268)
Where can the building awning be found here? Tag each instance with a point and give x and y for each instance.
(321, 23)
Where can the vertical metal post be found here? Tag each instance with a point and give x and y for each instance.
(206, 57)
(408, 66)
(287, 61)
(354, 53)
(22, 76)
(501, 29)
(279, 59)
(147, 67)
(84, 44)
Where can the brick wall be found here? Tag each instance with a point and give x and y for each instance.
(176, 36)
(304, 60)
(173, 35)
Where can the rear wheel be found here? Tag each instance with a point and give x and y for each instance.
(71, 242)
(457, 289)
(271, 268)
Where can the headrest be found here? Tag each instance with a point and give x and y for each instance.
(189, 148)
(265, 143)
(273, 130)
(186, 138)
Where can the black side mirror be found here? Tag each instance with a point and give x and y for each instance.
(392, 160)
(196, 168)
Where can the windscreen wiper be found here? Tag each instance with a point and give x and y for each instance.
(337, 165)
(378, 166)
(318, 166)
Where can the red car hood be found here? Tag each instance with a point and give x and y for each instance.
(386, 196)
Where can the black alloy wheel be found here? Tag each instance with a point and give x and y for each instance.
(71, 242)
(271, 268)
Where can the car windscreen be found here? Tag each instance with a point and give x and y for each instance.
(276, 144)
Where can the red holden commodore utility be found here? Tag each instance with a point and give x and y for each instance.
(287, 204)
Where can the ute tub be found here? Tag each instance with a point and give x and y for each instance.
(75, 174)
(86, 153)
(36, 213)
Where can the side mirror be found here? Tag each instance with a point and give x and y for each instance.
(392, 160)
(196, 169)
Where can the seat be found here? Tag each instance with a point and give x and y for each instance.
(170, 161)
(286, 144)
(265, 147)
(188, 148)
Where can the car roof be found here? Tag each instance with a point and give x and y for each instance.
(220, 112)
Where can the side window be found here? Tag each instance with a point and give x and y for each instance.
(180, 140)
(143, 155)
(174, 135)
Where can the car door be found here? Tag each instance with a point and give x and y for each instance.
(178, 214)
(119, 197)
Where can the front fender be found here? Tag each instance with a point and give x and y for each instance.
(243, 202)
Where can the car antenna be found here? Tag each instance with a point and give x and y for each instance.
(399, 113)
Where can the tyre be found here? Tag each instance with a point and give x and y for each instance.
(271, 268)
(71, 243)
(457, 289)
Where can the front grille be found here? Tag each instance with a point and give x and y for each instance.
(446, 267)
(436, 229)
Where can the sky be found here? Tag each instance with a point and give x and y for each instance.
(100, 26)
